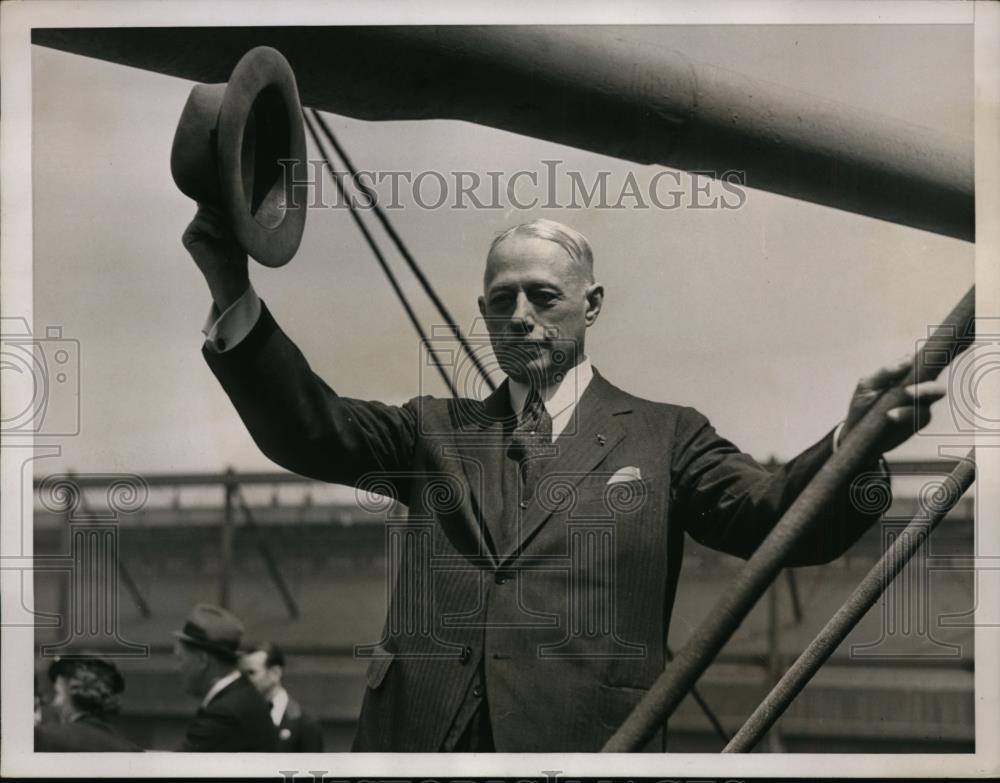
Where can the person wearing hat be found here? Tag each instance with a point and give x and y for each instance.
(298, 731)
(232, 716)
(87, 688)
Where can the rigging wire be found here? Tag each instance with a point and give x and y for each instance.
(382, 262)
(402, 248)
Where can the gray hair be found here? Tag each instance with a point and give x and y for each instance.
(572, 241)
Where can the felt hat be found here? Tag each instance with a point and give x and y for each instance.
(227, 152)
(212, 628)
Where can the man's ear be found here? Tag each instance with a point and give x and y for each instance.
(482, 306)
(595, 300)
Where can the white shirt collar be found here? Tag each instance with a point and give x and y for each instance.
(219, 684)
(279, 703)
(560, 399)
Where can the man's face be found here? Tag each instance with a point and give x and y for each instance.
(190, 665)
(537, 304)
(264, 678)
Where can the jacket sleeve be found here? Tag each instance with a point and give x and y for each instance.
(301, 423)
(729, 502)
(310, 735)
(210, 731)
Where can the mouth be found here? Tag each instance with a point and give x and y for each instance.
(523, 350)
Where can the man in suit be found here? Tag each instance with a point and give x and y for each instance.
(232, 716)
(535, 583)
(86, 692)
(298, 731)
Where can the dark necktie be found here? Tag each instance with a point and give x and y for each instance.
(531, 439)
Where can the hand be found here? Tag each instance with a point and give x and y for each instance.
(903, 420)
(210, 241)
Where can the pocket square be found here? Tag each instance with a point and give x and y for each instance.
(630, 473)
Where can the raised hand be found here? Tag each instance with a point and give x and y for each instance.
(210, 241)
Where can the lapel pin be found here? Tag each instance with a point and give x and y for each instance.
(601, 440)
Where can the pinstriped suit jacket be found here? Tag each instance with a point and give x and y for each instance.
(564, 600)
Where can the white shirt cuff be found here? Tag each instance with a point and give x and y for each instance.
(836, 435)
(224, 332)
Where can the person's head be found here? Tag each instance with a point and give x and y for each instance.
(198, 667)
(263, 665)
(539, 298)
(206, 648)
(85, 684)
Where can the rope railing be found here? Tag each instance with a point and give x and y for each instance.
(857, 448)
(864, 597)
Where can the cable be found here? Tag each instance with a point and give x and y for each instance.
(381, 260)
(401, 247)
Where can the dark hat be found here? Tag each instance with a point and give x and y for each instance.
(213, 628)
(69, 664)
(227, 147)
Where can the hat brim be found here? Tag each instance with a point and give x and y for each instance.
(260, 121)
(194, 641)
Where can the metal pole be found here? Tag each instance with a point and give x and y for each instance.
(861, 600)
(597, 88)
(133, 589)
(856, 450)
(137, 598)
(284, 477)
(269, 560)
(226, 539)
(774, 743)
(793, 593)
(703, 705)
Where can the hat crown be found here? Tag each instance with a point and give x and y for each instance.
(231, 148)
(214, 628)
(68, 664)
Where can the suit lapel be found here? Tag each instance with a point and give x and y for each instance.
(478, 445)
(594, 430)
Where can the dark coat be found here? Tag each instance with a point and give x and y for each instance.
(299, 732)
(569, 618)
(86, 734)
(236, 720)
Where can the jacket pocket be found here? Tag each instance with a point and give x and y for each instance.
(377, 669)
(622, 497)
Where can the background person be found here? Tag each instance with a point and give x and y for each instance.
(86, 692)
(232, 716)
(298, 731)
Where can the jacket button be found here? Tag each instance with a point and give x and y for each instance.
(500, 577)
(478, 691)
(523, 504)
(466, 654)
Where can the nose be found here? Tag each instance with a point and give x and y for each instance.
(523, 317)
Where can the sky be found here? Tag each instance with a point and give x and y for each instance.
(762, 317)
